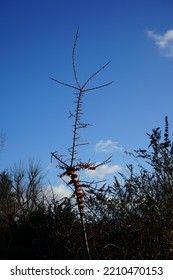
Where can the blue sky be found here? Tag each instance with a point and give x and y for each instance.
(37, 37)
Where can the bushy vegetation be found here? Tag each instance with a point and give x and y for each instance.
(128, 220)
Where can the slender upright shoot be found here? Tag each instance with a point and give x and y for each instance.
(73, 165)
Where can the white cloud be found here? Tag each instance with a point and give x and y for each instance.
(164, 42)
(58, 192)
(107, 146)
(103, 170)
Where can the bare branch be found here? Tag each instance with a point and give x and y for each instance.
(64, 84)
(73, 60)
(59, 159)
(89, 79)
(94, 88)
(104, 162)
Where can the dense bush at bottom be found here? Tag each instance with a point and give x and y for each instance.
(128, 220)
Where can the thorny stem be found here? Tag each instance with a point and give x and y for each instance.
(84, 231)
(73, 60)
(75, 135)
(71, 169)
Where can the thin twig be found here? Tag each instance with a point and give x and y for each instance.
(103, 162)
(94, 88)
(89, 79)
(58, 158)
(64, 84)
(73, 60)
